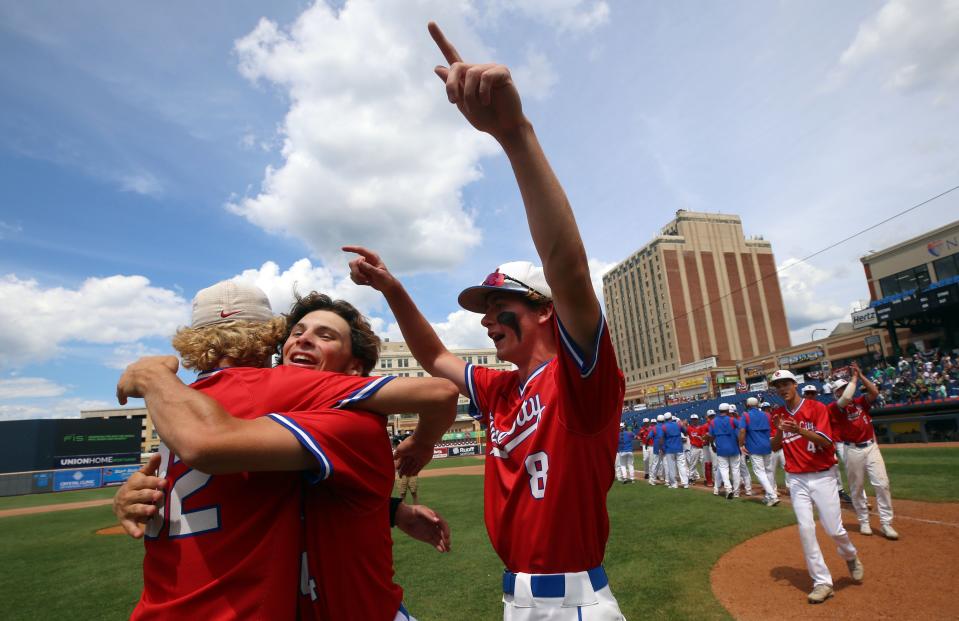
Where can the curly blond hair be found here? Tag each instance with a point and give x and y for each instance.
(245, 343)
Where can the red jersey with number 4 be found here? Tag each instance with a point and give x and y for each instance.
(550, 443)
(801, 454)
(228, 546)
(696, 433)
(853, 422)
(349, 550)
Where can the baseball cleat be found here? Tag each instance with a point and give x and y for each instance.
(844, 497)
(820, 593)
(715, 492)
(865, 529)
(730, 495)
(749, 492)
(856, 569)
(888, 531)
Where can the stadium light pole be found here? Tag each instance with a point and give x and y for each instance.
(813, 336)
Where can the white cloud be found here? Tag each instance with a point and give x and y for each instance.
(461, 330)
(373, 152)
(536, 77)
(62, 408)
(6, 229)
(805, 305)
(912, 42)
(128, 353)
(29, 388)
(303, 277)
(565, 15)
(597, 269)
(36, 321)
(141, 183)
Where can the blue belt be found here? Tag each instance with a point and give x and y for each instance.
(860, 445)
(553, 585)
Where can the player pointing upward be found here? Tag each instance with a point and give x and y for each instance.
(552, 422)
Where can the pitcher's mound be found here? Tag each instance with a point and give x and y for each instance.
(766, 577)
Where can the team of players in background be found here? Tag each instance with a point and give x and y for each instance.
(803, 436)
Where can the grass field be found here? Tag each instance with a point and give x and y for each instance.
(662, 546)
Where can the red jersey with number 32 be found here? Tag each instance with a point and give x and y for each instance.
(229, 546)
(801, 454)
(550, 443)
(853, 422)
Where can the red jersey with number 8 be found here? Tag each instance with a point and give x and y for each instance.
(803, 455)
(229, 546)
(550, 448)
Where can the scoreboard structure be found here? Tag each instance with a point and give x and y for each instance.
(51, 455)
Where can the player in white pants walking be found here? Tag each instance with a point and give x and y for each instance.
(804, 434)
(695, 453)
(853, 426)
(724, 431)
(754, 438)
(656, 463)
(776, 459)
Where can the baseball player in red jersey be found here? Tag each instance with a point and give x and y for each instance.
(695, 432)
(646, 440)
(805, 435)
(552, 422)
(199, 559)
(853, 427)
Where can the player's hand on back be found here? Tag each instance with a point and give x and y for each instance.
(136, 500)
(131, 382)
(424, 524)
(484, 93)
(368, 269)
(411, 455)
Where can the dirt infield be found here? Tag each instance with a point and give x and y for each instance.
(766, 577)
(441, 472)
(66, 506)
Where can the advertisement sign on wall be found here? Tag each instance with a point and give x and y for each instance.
(459, 451)
(116, 475)
(65, 480)
(439, 453)
(727, 392)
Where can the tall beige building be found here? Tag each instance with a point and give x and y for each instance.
(699, 289)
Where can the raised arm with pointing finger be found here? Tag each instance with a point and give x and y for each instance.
(553, 422)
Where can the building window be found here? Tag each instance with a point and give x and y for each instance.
(946, 267)
(905, 280)
(386, 363)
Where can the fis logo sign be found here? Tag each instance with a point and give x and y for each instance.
(525, 424)
(940, 246)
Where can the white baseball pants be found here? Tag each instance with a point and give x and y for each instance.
(580, 602)
(818, 489)
(760, 469)
(776, 460)
(655, 467)
(626, 471)
(744, 473)
(694, 460)
(647, 460)
(676, 464)
(841, 456)
(861, 462)
(728, 467)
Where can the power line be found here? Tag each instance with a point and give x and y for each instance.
(806, 258)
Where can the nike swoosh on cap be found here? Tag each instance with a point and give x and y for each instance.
(225, 315)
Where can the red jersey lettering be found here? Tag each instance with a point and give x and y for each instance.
(853, 422)
(551, 444)
(803, 455)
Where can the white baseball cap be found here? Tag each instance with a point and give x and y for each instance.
(752, 402)
(810, 388)
(229, 300)
(765, 404)
(781, 374)
(723, 407)
(710, 412)
(732, 407)
(696, 416)
(645, 420)
(839, 384)
(668, 416)
(659, 418)
(520, 277)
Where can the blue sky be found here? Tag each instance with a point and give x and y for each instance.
(148, 150)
